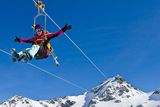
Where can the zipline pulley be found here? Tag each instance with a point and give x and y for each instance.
(40, 7)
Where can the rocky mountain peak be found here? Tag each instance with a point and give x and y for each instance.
(113, 88)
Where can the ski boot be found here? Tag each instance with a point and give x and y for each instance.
(14, 54)
(27, 56)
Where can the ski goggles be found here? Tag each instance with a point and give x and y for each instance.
(38, 30)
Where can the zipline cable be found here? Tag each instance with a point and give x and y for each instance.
(101, 72)
(51, 74)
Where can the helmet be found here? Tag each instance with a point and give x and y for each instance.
(38, 26)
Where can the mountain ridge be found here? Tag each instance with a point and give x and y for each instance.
(113, 92)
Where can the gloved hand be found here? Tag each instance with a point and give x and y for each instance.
(17, 39)
(66, 27)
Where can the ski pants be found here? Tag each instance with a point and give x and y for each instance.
(32, 51)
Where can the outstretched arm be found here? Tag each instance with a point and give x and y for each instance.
(53, 35)
(60, 32)
(30, 40)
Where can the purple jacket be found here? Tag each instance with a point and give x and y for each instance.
(39, 39)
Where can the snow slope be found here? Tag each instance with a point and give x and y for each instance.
(114, 92)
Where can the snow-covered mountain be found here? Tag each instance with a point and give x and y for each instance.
(114, 92)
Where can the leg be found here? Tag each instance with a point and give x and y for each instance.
(28, 53)
(21, 55)
(33, 50)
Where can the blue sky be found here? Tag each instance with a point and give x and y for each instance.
(121, 37)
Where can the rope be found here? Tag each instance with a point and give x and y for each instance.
(51, 74)
(5, 52)
(94, 65)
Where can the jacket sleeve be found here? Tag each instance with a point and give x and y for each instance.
(53, 35)
(30, 40)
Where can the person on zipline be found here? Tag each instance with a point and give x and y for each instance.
(40, 43)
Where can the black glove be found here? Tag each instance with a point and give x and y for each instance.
(17, 39)
(66, 27)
